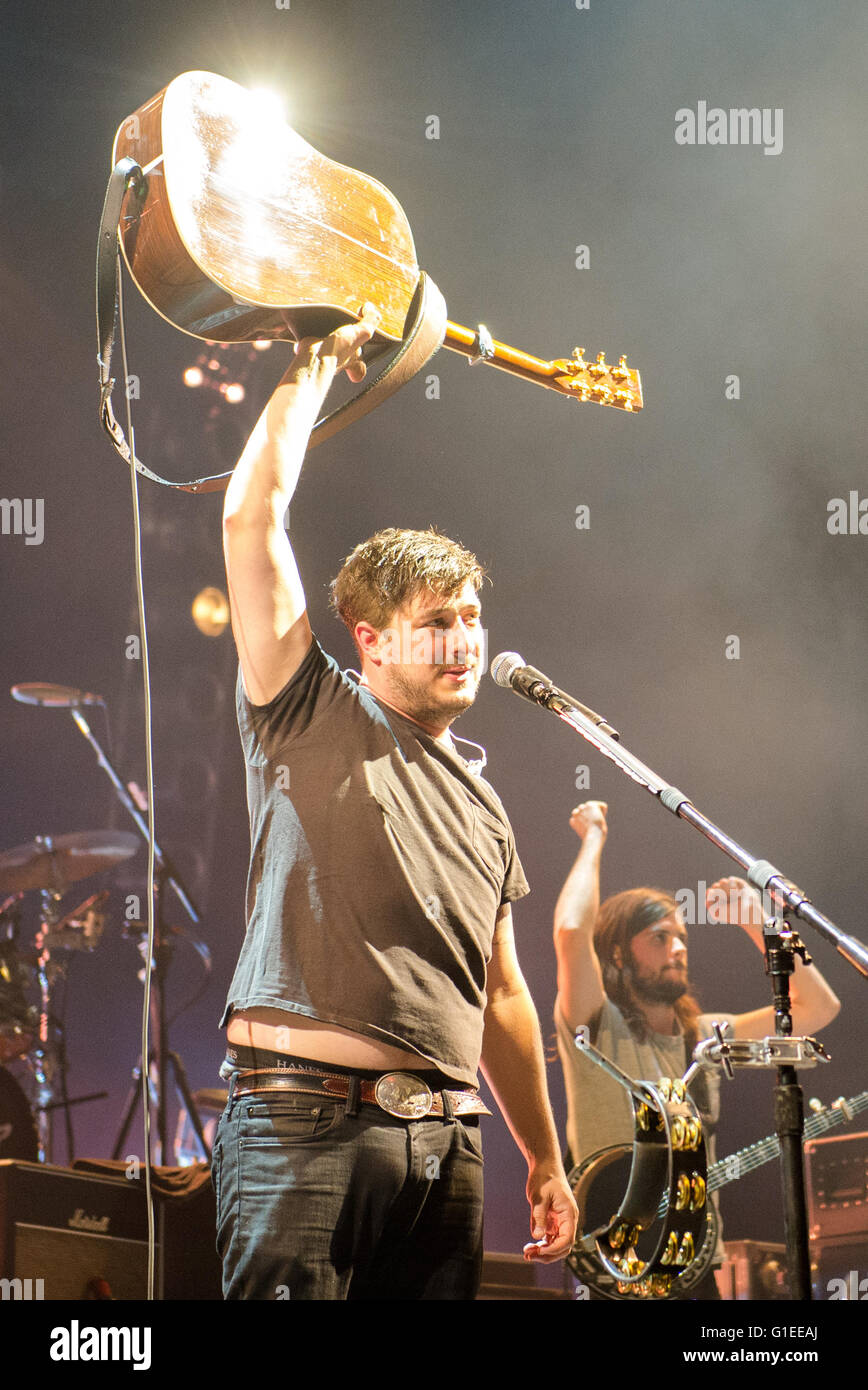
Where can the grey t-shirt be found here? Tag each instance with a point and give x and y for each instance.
(599, 1113)
(378, 864)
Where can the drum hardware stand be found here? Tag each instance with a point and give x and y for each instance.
(161, 1057)
(166, 876)
(49, 1055)
(49, 1063)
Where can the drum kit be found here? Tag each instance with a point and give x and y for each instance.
(30, 1031)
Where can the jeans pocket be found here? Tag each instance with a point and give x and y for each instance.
(265, 1124)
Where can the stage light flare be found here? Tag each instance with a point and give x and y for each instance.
(193, 376)
(267, 107)
(210, 610)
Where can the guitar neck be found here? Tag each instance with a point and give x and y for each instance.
(599, 382)
(736, 1165)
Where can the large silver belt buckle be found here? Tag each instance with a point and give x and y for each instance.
(403, 1095)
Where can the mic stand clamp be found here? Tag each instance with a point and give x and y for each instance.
(783, 1052)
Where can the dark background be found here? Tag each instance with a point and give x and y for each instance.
(708, 516)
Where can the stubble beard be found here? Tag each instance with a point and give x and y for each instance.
(661, 988)
(416, 702)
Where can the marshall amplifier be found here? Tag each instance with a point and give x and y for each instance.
(71, 1235)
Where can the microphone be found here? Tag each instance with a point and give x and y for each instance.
(510, 670)
(54, 696)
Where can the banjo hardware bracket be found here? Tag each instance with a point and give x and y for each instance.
(755, 1052)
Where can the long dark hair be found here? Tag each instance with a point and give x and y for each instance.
(619, 919)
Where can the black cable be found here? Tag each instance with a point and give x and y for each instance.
(149, 779)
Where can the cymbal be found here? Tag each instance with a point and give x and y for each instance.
(56, 861)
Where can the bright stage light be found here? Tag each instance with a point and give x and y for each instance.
(267, 107)
(210, 611)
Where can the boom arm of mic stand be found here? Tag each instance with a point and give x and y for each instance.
(127, 801)
(759, 871)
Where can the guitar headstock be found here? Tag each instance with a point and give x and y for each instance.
(598, 381)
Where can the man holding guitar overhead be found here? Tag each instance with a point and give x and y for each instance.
(378, 969)
(622, 974)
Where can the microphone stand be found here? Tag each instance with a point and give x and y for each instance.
(160, 1053)
(759, 872)
(781, 947)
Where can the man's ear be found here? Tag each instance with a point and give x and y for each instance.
(617, 958)
(367, 639)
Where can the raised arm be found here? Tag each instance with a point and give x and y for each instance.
(734, 902)
(580, 979)
(269, 617)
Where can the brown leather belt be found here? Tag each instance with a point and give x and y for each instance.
(399, 1093)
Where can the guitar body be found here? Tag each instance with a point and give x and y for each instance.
(245, 231)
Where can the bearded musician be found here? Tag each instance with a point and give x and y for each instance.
(622, 974)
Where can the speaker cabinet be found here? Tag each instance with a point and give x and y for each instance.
(753, 1269)
(837, 1182)
(71, 1235)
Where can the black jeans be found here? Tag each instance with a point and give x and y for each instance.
(316, 1204)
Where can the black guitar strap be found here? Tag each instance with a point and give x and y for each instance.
(423, 334)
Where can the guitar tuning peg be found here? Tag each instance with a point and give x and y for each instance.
(815, 1105)
(578, 355)
(622, 371)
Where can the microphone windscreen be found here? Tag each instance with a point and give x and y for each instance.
(504, 666)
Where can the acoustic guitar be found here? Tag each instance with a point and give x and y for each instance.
(241, 230)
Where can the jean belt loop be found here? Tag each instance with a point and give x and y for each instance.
(448, 1110)
(354, 1090)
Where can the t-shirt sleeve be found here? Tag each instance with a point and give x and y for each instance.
(307, 695)
(515, 885)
